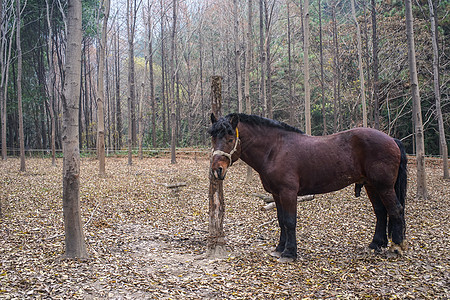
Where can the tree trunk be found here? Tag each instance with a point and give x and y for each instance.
(306, 68)
(291, 93)
(237, 56)
(51, 84)
(118, 105)
(376, 109)
(322, 82)
(131, 21)
(19, 88)
(417, 110)
(268, 20)
(437, 91)
(140, 120)
(74, 236)
(262, 81)
(151, 79)
(216, 238)
(360, 66)
(101, 91)
(336, 80)
(248, 56)
(173, 125)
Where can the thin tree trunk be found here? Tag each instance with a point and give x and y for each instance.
(131, 84)
(291, 93)
(51, 84)
(173, 158)
(101, 92)
(417, 110)
(306, 68)
(262, 81)
(151, 79)
(237, 56)
(376, 104)
(74, 236)
(216, 238)
(248, 56)
(140, 120)
(360, 66)
(322, 82)
(19, 88)
(269, 104)
(118, 105)
(163, 74)
(336, 97)
(437, 91)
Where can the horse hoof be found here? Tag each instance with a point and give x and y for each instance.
(275, 254)
(398, 248)
(284, 259)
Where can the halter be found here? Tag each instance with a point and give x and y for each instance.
(220, 152)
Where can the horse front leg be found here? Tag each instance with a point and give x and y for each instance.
(282, 241)
(287, 218)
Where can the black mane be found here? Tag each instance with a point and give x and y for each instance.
(221, 127)
(257, 120)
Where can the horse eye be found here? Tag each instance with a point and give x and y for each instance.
(230, 140)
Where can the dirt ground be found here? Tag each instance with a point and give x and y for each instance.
(146, 241)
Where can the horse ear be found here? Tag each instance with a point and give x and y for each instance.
(213, 118)
(234, 121)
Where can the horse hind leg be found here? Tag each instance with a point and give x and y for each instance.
(396, 214)
(380, 238)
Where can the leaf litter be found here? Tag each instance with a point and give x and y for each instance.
(146, 241)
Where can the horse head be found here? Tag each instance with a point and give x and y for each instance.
(226, 144)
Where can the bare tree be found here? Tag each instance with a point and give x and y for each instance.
(19, 87)
(262, 59)
(417, 109)
(248, 57)
(437, 90)
(306, 67)
(173, 126)
(51, 83)
(74, 237)
(237, 58)
(376, 108)
(360, 66)
(101, 90)
(322, 81)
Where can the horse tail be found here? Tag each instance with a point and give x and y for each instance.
(401, 182)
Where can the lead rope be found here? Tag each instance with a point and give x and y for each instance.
(220, 152)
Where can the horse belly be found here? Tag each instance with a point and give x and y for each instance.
(331, 177)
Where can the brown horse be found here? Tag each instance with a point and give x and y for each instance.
(291, 163)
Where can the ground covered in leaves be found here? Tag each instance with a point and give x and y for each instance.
(147, 241)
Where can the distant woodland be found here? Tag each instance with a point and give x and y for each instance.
(347, 60)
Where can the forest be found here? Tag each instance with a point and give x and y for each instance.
(158, 62)
(88, 86)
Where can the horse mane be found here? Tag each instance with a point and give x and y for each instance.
(260, 121)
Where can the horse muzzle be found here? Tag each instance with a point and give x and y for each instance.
(219, 172)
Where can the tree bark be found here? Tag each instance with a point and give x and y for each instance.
(216, 238)
(360, 66)
(173, 158)
(74, 236)
(376, 109)
(268, 19)
(51, 84)
(19, 88)
(437, 90)
(322, 82)
(131, 21)
(151, 75)
(248, 56)
(101, 91)
(306, 68)
(237, 56)
(118, 105)
(262, 81)
(417, 110)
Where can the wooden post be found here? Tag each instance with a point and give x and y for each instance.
(216, 238)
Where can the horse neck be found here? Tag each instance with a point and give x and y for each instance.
(255, 144)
